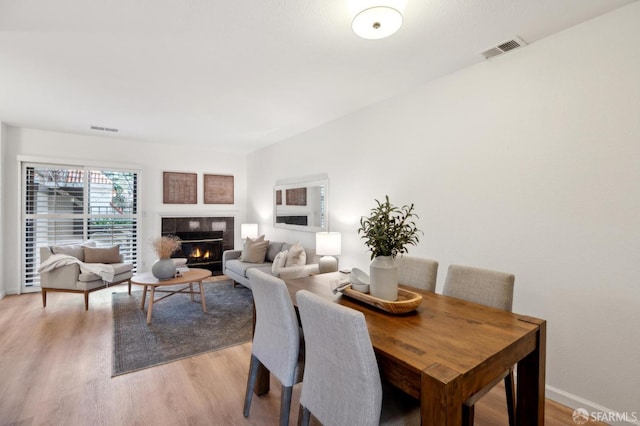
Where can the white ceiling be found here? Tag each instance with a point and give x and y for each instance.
(239, 74)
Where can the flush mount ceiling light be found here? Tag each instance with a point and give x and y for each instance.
(377, 22)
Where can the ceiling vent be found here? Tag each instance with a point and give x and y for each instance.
(104, 129)
(508, 45)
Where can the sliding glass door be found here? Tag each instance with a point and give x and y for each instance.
(70, 204)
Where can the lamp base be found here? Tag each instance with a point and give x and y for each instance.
(327, 264)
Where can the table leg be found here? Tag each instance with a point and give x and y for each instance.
(191, 291)
(144, 298)
(204, 302)
(531, 381)
(441, 396)
(151, 297)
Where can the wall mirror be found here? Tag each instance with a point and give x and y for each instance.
(301, 205)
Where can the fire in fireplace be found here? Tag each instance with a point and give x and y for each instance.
(201, 249)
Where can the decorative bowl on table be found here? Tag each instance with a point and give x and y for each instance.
(179, 261)
(359, 280)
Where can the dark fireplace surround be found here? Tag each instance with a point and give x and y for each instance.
(203, 239)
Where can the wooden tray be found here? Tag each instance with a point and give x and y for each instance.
(407, 300)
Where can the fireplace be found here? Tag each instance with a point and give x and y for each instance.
(203, 239)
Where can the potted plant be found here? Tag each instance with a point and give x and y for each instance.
(164, 268)
(387, 232)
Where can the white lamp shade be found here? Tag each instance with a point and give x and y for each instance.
(377, 22)
(328, 243)
(249, 230)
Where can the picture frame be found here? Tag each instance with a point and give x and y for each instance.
(218, 189)
(179, 188)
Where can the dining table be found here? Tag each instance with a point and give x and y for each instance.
(446, 350)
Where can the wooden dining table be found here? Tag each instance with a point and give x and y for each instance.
(447, 350)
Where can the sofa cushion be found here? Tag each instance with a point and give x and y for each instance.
(241, 268)
(296, 256)
(102, 255)
(275, 247)
(75, 250)
(254, 251)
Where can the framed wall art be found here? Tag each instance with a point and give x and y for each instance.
(180, 188)
(218, 189)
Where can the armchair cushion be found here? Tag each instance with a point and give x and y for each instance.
(102, 255)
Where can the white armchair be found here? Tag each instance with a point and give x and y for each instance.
(76, 273)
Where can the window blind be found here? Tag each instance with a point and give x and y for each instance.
(71, 204)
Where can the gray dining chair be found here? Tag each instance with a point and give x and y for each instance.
(489, 288)
(417, 272)
(277, 341)
(341, 384)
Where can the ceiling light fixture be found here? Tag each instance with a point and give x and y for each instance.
(377, 22)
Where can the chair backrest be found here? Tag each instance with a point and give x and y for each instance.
(417, 272)
(483, 286)
(341, 383)
(276, 339)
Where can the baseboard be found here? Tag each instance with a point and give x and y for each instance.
(606, 414)
(2, 295)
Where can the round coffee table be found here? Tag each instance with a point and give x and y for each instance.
(146, 279)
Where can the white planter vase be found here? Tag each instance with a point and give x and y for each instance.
(164, 269)
(384, 278)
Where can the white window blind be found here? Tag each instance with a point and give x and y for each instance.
(70, 204)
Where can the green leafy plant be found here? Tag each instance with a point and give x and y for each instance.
(389, 229)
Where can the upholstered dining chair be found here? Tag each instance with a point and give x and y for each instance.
(341, 384)
(489, 288)
(277, 341)
(417, 272)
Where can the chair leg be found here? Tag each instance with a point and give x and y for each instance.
(285, 404)
(306, 416)
(44, 298)
(509, 387)
(251, 381)
(86, 300)
(129, 287)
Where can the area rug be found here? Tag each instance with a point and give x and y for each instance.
(179, 329)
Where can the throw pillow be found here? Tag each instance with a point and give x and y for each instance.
(297, 256)
(279, 262)
(247, 242)
(274, 248)
(75, 250)
(254, 251)
(102, 255)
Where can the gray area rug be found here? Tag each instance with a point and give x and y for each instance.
(179, 329)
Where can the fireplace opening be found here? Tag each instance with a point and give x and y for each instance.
(203, 240)
(201, 249)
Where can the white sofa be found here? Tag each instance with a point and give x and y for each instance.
(235, 269)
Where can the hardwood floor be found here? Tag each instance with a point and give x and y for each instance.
(55, 369)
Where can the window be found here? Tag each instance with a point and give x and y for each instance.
(67, 204)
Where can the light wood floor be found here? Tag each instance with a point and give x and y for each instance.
(55, 369)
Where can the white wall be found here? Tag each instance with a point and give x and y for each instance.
(528, 163)
(3, 132)
(150, 159)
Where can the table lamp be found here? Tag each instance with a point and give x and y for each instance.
(249, 230)
(328, 244)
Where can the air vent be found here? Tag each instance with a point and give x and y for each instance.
(104, 129)
(504, 47)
